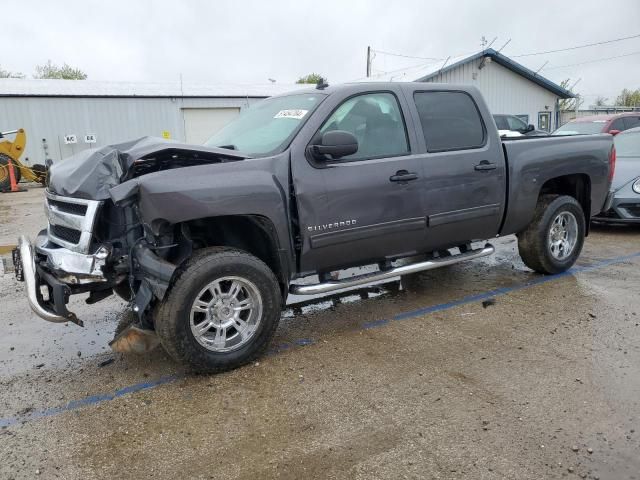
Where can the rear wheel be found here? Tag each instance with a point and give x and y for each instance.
(5, 179)
(553, 240)
(221, 312)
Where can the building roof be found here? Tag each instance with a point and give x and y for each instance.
(423, 73)
(12, 87)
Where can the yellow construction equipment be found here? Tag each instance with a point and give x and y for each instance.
(12, 150)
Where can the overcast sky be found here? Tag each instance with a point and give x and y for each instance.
(242, 41)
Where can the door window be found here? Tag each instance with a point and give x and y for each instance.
(376, 121)
(631, 122)
(450, 121)
(617, 124)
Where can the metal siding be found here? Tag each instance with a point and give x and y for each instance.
(113, 120)
(202, 123)
(503, 90)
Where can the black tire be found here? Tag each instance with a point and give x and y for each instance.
(5, 179)
(172, 321)
(533, 242)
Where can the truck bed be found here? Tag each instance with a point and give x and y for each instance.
(535, 160)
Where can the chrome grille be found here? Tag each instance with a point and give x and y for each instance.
(74, 208)
(66, 234)
(71, 221)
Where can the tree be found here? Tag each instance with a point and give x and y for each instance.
(8, 74)
(601, 101)
(311, 78)
(570, 103)
(629, 98)
(53, 71)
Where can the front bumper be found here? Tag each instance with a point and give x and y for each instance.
(60, 271)
(25, 268)
(70, 266)
(620, 210)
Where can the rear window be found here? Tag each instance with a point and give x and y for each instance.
(450, 121)
(580, 128)
(617, 125)
(631, 122)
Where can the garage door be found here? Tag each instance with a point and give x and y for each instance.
(201, 123)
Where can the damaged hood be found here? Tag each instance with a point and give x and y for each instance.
(90, 174)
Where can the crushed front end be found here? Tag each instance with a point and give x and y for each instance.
(96, 241)
(67, 258)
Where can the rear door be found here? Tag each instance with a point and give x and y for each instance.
(367, 206)
(464, 167)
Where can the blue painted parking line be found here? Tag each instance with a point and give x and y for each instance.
(100, 398)
(83, 402)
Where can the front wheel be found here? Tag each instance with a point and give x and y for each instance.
(553, 240)
(221, 312)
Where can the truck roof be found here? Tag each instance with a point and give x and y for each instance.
(364, 86)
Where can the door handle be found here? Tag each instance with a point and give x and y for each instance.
(403, 176)
(485, 165)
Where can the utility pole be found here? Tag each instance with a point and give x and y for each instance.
(368, 61)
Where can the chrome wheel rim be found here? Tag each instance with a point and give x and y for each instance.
(225, 315)
(563, 235)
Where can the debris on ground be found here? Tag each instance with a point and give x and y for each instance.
(106, 362)
(488, 302)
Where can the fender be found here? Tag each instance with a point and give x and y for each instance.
(255, 187)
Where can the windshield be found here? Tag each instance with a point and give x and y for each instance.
(580, 128)
(267, 126)
(627, 144)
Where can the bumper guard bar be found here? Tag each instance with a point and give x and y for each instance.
(25, 268)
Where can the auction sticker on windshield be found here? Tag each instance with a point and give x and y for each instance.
(296, 113)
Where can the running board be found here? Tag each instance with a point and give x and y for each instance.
(326, 287)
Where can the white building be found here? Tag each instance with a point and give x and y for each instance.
(507, 86)
(62, 117)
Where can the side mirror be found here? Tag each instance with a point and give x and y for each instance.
(614, 132)
(530, 128)
(336, 144)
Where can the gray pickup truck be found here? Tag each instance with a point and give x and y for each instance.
(207, 242)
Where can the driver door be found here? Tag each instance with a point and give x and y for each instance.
(367, 206)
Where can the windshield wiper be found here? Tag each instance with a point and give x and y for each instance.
(228, 147)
